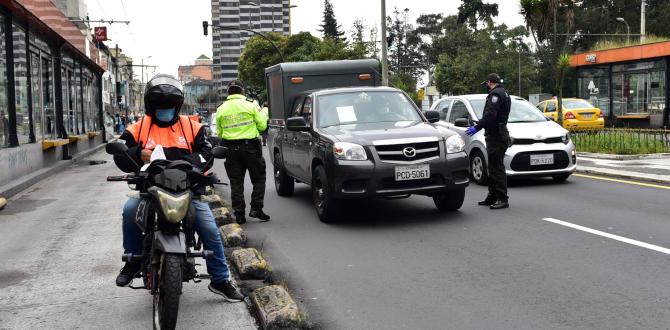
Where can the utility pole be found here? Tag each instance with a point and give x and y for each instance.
(643, 18)
(385, 69)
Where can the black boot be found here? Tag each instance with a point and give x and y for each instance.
(259, 215)
(240, 218)
(499, 204)
(128, 273)
(490, 200)
(228, 290)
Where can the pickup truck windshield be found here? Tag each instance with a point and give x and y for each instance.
(365, 107)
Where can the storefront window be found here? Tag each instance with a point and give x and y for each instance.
(43, 97)
(21, 84)
(593, 85)
(4, 116)
(639, 88)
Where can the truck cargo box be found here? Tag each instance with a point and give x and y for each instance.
(285, 80)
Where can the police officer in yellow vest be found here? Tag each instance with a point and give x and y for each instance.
(239, 123)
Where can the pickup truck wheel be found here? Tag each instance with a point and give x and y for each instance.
(284, 184)
(478, 169)
(326, 206)
(450, 201)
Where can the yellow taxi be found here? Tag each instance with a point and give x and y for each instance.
(578, 114)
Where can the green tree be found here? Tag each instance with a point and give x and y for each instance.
(258, 54)
(562, 66)
(404, 53)
(329, 27)
(474, 11)
(359, 47)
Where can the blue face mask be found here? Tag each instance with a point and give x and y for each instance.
(165, 115)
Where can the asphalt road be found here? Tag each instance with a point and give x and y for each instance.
(60, 251)
(402, 265)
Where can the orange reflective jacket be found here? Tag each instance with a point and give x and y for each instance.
(181, 135)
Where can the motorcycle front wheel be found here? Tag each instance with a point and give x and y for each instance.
(166, 300)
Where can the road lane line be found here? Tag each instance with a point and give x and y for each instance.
(622, 181)
(611, 236)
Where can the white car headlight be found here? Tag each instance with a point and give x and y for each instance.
(349, 151)
(566, 138)
(455, 143)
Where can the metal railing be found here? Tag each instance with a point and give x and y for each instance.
(624, 141)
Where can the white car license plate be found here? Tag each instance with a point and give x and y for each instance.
(414, 172)
(587, 116)
(546, 159)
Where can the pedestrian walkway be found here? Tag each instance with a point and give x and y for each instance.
(653, 168)
(60, 247)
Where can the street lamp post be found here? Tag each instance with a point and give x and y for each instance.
(622, 20)
(385, 69)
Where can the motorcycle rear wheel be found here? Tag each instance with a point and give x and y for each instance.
(166, 300)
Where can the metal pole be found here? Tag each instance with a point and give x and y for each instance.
(643, 21)
(385, 69)
(628, 32)
(519, 90)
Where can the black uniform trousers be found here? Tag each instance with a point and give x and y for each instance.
(243, 156)
(496, 147)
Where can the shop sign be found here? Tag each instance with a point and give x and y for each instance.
(591, 58)
(100, 33)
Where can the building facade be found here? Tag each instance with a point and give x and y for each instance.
(201, 69)
(199, 97)
(50, 93)
(629, 84)
(263, 16)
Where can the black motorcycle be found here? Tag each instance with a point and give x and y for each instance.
(166, 218)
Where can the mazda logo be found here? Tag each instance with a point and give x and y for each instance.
(409, 152)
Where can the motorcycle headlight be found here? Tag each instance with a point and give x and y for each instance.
(174, 207)
(349, 151)
(455, 143)
(566, 138)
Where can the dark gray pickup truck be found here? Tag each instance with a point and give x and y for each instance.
(363, 142)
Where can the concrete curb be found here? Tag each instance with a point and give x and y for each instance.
(3, 203)
(622, 157)
(621, 174)
(14, 187)
(276, 308)
(215, 201)
(250, 264)
(233, 235)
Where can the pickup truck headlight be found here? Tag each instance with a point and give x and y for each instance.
(566, 138)
(455, 143)
(349, 151)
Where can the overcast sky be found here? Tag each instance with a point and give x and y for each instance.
(170, 31)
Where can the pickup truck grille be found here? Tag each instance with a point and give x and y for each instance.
(402, 153)
(533, 141)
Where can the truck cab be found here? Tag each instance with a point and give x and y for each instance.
(359, 141)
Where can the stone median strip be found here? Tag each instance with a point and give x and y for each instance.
(275, 308)
(214, 200)
(233, 235)
(222, 216)
(250, 264)
(3, 203)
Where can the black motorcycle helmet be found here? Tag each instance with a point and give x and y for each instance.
(163, 91)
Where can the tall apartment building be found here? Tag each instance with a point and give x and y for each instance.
(258, 15)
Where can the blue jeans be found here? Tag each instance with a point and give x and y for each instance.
(205, 226)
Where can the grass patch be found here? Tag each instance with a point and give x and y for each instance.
(623, 141)
(620, 43)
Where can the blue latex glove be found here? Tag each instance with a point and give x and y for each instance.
(470, 131)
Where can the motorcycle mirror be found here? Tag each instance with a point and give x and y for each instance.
(116, 148)
(219, 152)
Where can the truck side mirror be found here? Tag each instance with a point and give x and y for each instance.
(462, 122)
(432, 116)
(297, 124)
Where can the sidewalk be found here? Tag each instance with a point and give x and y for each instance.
(655, 168)
(60, 245)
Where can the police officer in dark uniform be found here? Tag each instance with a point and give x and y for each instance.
(239, 123)
(494, 122)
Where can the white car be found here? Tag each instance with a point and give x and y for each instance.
(541, 148)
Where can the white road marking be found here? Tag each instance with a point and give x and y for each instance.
(608, 235)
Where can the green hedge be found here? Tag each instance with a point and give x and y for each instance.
(622, 141)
